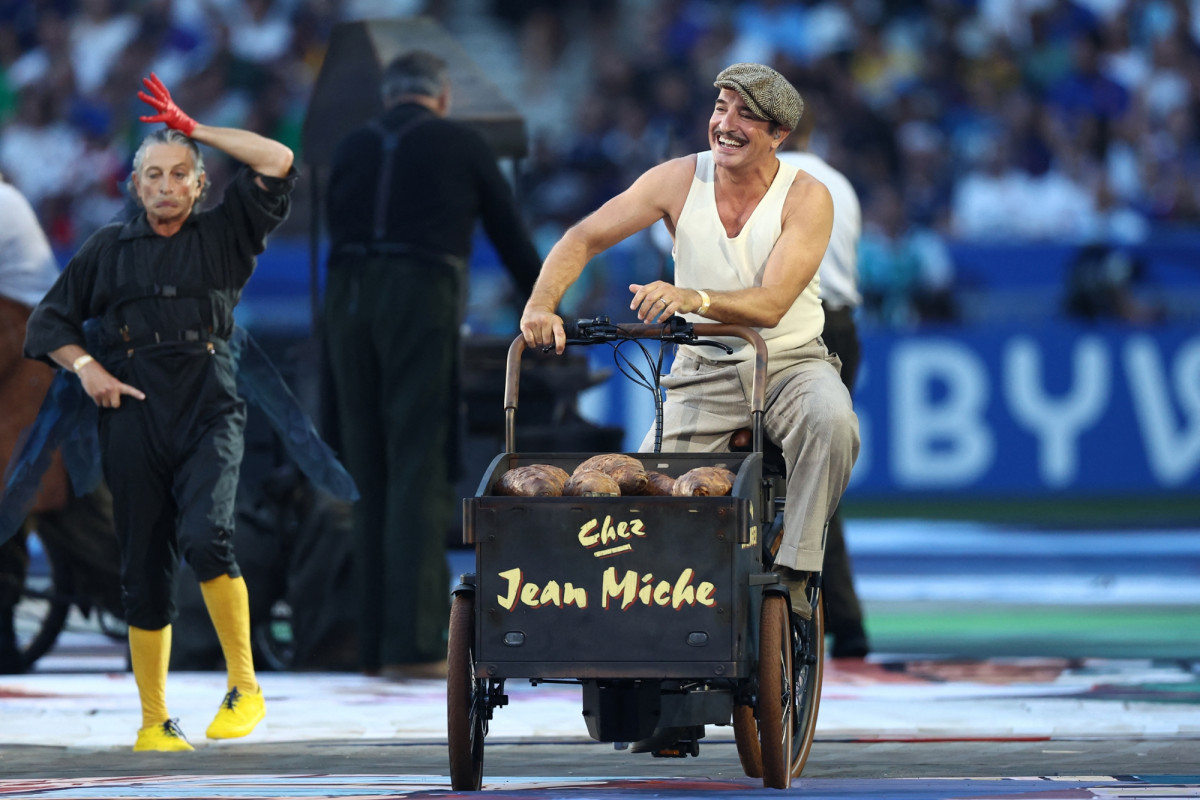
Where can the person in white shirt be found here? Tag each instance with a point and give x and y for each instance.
(839, 294)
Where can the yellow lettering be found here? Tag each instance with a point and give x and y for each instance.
(529, 594)
(684, 591)
(574, 595)
(704, 594)
(626, 588)
(586, 537)
(513, 576)
(551, 596)
(662, 593)
(593, 532)
(644, 593)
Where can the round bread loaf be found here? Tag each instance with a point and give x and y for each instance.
(591, 481)
(557, 474)
(704, 482)
(628, 472)
(659, 484)
(532, 480)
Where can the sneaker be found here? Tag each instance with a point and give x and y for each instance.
(796, 582)
(164, 737)
(238, 715)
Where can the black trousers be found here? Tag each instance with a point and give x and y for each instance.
(172, 463)
(391, 326)
(843, 612)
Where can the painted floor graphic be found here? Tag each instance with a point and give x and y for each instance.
(369, 787)
(901, 701)
(861, 701)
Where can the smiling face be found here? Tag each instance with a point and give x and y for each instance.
(735, 135)
(167, 184)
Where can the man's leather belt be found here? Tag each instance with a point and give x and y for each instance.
(397, 249)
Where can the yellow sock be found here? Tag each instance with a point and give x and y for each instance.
(228, 605)
(150, 655)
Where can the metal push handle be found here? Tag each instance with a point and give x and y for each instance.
(675, 330)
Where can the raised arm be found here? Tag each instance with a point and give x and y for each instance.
(659, 192)
(264, 156)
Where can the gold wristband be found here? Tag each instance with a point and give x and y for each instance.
(81, 362)
(705, 302)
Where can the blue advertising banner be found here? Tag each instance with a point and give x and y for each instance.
(1062, 409)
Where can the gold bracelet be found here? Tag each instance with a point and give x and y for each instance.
(705, 302)
(81, 362)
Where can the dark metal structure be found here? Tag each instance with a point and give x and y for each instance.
(347, 90)
(346, 95)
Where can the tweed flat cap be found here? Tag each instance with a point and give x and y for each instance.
(768, 94)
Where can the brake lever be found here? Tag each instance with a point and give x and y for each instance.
(711, 343)
(597, 333)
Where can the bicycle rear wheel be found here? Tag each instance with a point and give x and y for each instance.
(775, 692)
(808, 657)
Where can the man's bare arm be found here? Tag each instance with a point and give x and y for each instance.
(807, 224)
(651, 197)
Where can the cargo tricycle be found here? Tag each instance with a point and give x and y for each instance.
(663, 609)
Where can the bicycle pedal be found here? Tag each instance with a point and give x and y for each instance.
(678, 750)
(669, 752)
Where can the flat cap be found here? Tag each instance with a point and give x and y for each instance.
(768, 94)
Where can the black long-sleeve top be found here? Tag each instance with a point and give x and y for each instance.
(444, 179)
(215, 249)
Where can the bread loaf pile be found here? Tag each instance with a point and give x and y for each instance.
(612, 474)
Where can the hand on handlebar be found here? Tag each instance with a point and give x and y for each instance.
(659, 301)
(543, 329)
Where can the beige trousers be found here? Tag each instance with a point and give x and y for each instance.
(809, 415)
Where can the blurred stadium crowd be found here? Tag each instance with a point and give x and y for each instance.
(1002, 120)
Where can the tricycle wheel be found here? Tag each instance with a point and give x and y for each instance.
(808, 656)
(466, 699)
(745, 736)
(775, 696)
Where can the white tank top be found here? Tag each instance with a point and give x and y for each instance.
(706, 258)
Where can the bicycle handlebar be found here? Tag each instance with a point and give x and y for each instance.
(675, 330)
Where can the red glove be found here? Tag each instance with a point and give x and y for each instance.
(168, 112)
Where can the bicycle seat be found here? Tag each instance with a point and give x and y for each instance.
(742, 441)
